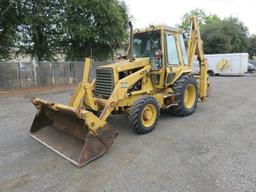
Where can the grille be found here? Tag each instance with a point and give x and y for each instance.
(104, 82)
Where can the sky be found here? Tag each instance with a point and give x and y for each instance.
(170, 12)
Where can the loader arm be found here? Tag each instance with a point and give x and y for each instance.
(83, 92)
(195, 47)
(71, 131)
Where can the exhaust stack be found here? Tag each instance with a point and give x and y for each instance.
(131, 42)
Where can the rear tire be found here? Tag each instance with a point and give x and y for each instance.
(144, 115)
(186, 91)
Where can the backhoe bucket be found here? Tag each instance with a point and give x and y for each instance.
(77, 135)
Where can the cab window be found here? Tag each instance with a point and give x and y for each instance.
(172, 54)
(145, 44)
(183, 50)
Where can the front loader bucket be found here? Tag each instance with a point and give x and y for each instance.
(77, 135)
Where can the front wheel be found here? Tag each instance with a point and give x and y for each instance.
(144, 115)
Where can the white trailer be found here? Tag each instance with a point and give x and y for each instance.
(225, 64)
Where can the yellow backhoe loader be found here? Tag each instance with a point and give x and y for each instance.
(158, 75)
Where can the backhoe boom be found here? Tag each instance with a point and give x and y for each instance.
(195, 47)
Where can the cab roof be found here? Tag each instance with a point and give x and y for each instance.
(158, 28)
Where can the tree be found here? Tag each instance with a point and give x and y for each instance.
(8, 23)
(252, 45)
(186, 18)
(224, 36)
(212, 19)
(97, 26)
(38, 32)
(214, 38)
(237, 34)
(76, 27)
(220, 36)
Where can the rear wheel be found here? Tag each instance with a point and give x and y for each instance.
(144, 115)
(210, 72)
(186, 91)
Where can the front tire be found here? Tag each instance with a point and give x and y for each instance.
(144, 115)
(186, 91)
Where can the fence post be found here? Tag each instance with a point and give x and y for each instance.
(35, 73)
(66, 67)
(94, 69)
(20, 78)
(74, 73)
(52, 74)
(66, 73)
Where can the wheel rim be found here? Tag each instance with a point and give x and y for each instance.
(148, 115)
(190, 96)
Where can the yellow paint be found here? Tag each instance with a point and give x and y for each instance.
(76, 100)
(120, 98)
(195, 45)
(83, 93)
(84, 101)
(190, 96)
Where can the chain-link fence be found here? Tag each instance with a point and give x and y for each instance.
(15, 75)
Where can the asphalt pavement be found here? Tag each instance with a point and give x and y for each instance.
(212, 150)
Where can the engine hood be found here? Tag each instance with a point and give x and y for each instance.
(127, 65)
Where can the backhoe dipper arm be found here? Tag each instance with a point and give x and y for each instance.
(195, 47)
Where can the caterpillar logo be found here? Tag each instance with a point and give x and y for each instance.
(223, 65)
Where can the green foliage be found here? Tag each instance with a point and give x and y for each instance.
(211, 19)
(97, 26)
(80, 28)
(76, 27)
(252, 45)
(8, 24)
(237, 33)
(186, 18)
(220, 36)
(39, 32)
(224, 36)
(215, 41)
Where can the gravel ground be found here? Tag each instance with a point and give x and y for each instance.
(212, 150)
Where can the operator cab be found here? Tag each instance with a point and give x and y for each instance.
(166, 49)
(148, 44)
